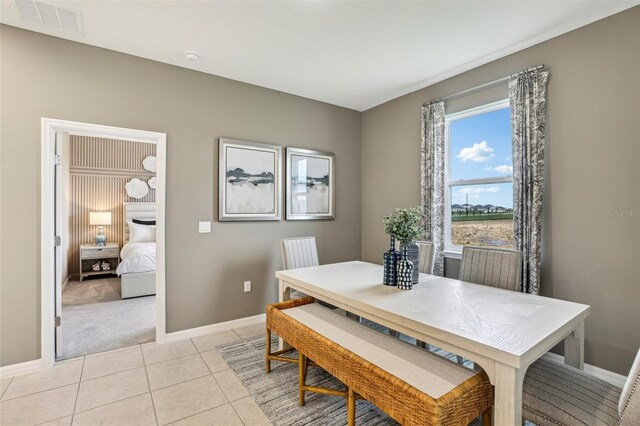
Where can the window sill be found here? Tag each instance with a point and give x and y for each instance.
(453, 254)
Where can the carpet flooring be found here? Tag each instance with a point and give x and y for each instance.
(96, 319)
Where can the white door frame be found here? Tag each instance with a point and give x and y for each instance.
(47, 226)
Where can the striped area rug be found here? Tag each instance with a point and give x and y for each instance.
(277, 393)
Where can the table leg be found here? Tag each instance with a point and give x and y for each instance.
(508, 395)
(574, 348)
(284, 294)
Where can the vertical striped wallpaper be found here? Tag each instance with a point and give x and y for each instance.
(109, 154)
(99, 169)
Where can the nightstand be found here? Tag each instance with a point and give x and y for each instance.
(91, 253)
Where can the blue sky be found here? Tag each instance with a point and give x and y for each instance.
(481, 148)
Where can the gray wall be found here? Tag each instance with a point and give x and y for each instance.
(592, 167)
(48, 77)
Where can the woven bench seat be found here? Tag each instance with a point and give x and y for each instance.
(411, 385)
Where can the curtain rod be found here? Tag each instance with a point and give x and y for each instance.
(482, 86)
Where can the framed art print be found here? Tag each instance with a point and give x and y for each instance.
(250, 183)
(310, 185)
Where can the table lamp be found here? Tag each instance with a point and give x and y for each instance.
(100, 219)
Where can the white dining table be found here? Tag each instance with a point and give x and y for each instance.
(503, 331)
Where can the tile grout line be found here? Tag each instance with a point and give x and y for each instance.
(40, 391)
(210, 370)
(199, 412)
(111, 374)
(7, 388)
(103, 405)
(109, 403)
(35, 393)
(214, 379)
(73, 413)
(146, 373)
(113, 351)
(238, 414)
(49, 421)
(172, 359)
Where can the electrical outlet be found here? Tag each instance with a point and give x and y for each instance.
(204, 227)
(247, 286)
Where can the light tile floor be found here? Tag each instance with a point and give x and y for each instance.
(182, 383)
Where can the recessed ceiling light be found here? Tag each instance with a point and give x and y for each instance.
(192, 56)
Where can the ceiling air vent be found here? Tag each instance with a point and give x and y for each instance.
(50, 16)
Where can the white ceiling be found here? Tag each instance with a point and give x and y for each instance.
(353, 54)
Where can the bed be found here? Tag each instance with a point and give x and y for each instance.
(137, 269)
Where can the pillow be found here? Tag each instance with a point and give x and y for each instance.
(144, 222)
(141, 233)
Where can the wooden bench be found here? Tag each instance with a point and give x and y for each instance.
(411, 385)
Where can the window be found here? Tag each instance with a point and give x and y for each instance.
(479, 178)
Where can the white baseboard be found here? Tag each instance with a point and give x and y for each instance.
(22, 368)
(606, 375)
(36, 364)
(212, 328)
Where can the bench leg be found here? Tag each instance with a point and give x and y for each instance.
(393, 333)
(351, 407)
(267, 366)
(486, 416)
(302, 377)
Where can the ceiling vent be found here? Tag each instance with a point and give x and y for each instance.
(50, 16)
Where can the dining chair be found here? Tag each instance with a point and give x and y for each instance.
(426, 257)
(557, 394)
(494, 267)
(490, 266)
(302, 252)
(299, 252)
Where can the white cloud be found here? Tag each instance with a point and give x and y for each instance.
(504, 169)
(507, 170)
(479, 152)
(474, 192)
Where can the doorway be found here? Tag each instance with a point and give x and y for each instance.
(89, 218)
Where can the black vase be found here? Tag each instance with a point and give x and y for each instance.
(413, 255)
(404, 270)
(390, 259)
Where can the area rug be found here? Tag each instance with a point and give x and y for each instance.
(95, 319)
(277, 393)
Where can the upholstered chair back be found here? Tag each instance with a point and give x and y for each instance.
(493, 267)
(426, 257)
(299, 252)
(629, 405)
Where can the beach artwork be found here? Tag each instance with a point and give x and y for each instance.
(309, 185)
(250, 190)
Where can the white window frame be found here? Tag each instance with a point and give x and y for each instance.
(449, 249)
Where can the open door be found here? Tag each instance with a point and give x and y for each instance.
(61, 238)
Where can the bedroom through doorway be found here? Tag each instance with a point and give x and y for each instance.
(105, 253)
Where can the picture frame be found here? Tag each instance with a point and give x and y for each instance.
(310, 184)
(249, 181)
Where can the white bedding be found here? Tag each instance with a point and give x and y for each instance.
(137, 257)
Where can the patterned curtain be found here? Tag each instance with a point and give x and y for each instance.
(432, 168)
(527, 96)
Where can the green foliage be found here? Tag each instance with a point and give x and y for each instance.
(480, 217)
(405, 224)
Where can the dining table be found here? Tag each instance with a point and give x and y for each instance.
(500, 330)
